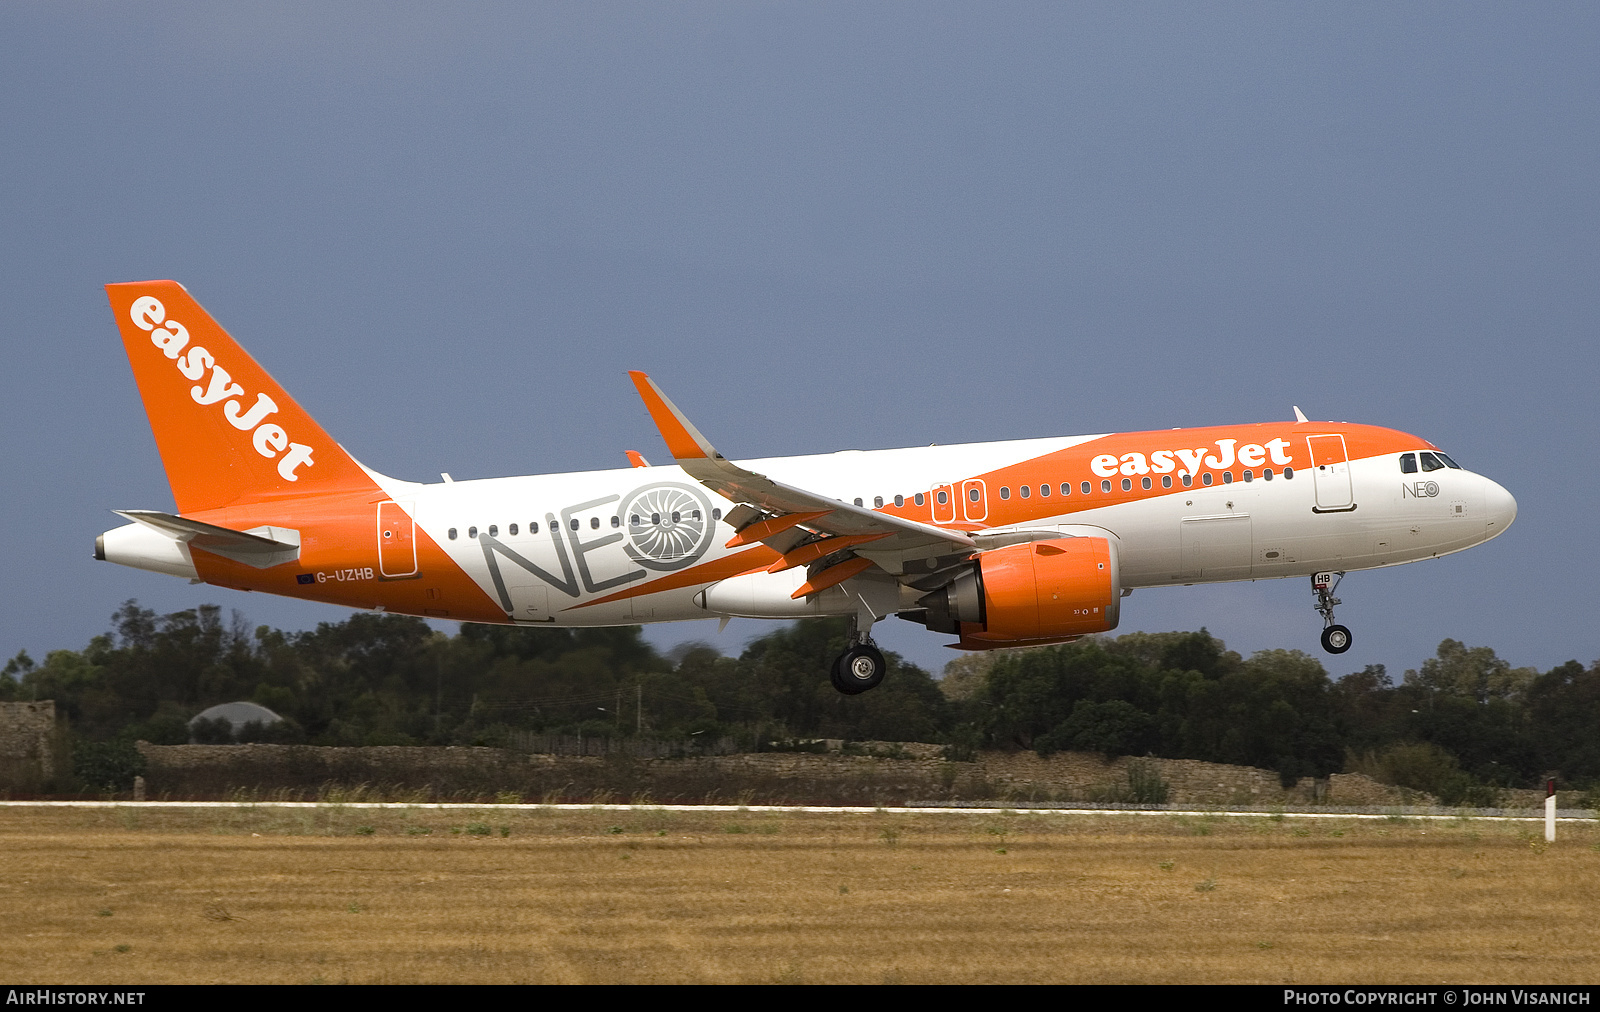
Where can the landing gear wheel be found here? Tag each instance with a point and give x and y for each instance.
(858, 669)
(1336, 639)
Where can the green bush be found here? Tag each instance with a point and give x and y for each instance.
(211, 731)
(107, 765)
(1145, 784)
(1112, 728)
(1425, 767)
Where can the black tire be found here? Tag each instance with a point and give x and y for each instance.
(857, 670)
(1336, 639)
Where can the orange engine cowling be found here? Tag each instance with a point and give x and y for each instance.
(1039, 592)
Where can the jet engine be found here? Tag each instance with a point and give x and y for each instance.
(1038, 592)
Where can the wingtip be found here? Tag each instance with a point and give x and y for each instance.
(683, 440)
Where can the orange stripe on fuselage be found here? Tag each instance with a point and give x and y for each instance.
(1074, 466)
(749, 561)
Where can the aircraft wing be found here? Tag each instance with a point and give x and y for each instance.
(779, 510)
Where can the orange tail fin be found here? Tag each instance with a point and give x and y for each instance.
(227, 432)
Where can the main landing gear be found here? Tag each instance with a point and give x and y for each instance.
(1335, 637)
(861, 666)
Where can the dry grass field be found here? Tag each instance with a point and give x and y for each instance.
(342, 895)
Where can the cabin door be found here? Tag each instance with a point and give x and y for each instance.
(397, 542)
(1330, 473)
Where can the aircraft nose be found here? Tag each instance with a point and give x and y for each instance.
(1499, 505)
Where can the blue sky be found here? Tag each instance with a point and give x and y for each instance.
(448, 231)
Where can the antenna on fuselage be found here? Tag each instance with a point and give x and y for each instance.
(1300, 416)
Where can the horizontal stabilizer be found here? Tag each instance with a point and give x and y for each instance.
(259, 547)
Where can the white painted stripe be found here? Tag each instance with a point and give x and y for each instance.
(489, 806)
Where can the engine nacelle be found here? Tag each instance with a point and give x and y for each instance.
(1039, 592)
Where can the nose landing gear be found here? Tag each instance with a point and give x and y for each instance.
(861, 666)
(1335, 637)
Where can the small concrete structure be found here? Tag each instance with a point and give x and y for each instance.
(237, 714)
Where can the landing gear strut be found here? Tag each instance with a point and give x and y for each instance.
(861, 666)
(1335, 637)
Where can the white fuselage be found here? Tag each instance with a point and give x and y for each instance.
(1260, 529)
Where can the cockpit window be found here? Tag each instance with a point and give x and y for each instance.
(1447, 461)
(1408, 463)
(1430, 462)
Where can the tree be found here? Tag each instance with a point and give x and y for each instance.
(1473, 673)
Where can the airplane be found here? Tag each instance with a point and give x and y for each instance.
(1001, 544)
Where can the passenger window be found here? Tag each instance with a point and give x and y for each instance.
(594, 523)
(472, 532)
(676, 516)
(1188, 480)
(1430, 462)
(1249, 475)
(1005, 493)
(1266, 473)
(943, 498)
(716, 513)
(655, 519)
(1288, 472)
(858, 500)
(573, 523)
(899, 500)
(512, 530)
(1127, 484)
(616, 521)
(1084, 490)
(634, 520)
(1044, 491)
(1408, 463)
(1105, 484)
(1166, 481)
(494, 530)
(1205, 479)
(877, 502)
(972, 493)
(1145, 483)
(694, 514)
(533, 527)
(1227, 477)
(452, 534)
(921, 499)
(1025, 491)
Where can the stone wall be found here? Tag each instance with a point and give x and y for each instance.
(302, 771)
(27, 744)
(1084, 776)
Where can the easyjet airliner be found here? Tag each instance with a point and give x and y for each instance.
(1000, 544)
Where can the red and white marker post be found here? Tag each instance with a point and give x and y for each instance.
(1550, 811)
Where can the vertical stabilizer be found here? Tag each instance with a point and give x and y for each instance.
(227, 432)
